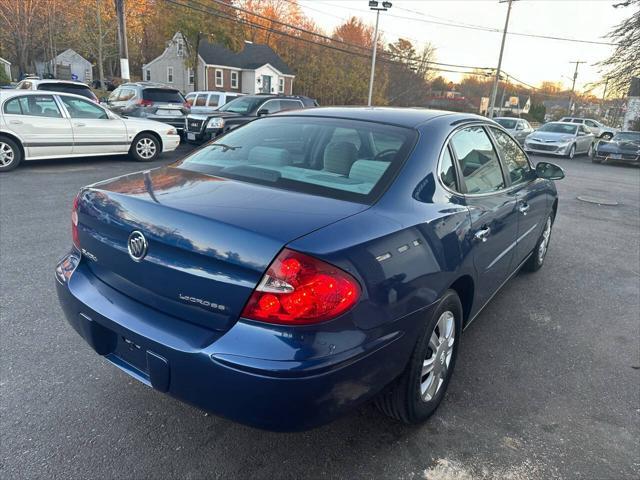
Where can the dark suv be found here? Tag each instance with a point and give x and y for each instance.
(237, 112)
(150, 100)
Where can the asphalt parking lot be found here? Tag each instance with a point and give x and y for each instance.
(547, 384)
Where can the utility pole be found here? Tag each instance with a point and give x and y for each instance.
(373, 5)
(494, 87)
(123, 49)
(573, 85)
(504, 91)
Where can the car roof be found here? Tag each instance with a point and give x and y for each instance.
(55, 80)
(5, 94)
(215, 91)
(148, 85)
(507, 118)
(404, 117)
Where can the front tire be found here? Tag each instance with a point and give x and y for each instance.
(145, 148)
(572, 152)
(536, 260)
(10, 154)
(415, 395)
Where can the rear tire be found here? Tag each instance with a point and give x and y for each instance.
(145, 148)
(10, 154)
(415, 395)
(536, 260)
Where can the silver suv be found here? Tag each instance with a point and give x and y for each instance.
(154, 101)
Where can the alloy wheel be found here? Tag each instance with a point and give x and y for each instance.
(7, 155)
(435, 366)
(146, 148)
(544, 244)
(572, 152)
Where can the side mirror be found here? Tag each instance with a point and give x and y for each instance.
(262, 112)
(550, 171)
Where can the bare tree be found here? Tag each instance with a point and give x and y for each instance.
(21, 23)
(624, 62)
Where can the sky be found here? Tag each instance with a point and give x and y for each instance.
(530, 60)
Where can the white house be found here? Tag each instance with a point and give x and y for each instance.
(255, 69)
(69, 65)
(6, 66)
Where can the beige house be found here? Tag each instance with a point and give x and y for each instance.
(255, 69)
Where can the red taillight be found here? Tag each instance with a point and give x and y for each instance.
(145, 103)
(298, 290)
(74, 222)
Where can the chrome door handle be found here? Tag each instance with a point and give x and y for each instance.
(79, 124)
(15, 122)
(483, 234)
(524, 208)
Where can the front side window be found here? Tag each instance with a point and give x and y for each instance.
(190, 98)
(219, 78)
(302, 154)
(591, 123)
(169, 74)
(512, 157)
(234, 79)
(290, 105)
(477, 160)
(201, 100)
(447, 171)
(36, 106)
(78, 108)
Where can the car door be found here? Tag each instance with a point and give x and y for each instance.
(530, 190)
(584, 139)
(594, 127)
(492, 207)
(94, 130)
(40, 123)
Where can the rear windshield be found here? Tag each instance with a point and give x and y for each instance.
(507, 123)
(558, 128)
(68, 88)
(349, 160)
(162, 95)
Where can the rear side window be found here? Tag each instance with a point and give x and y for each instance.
(68, 88)
(34, 105)
(214, 100)
(477, 160)
(513, 157)
(447, 171)
(201, 100)
(162, 95)
(303, 154)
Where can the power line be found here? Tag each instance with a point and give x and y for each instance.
(451, 23)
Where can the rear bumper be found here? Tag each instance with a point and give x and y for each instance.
(292, 389)
(176, 122)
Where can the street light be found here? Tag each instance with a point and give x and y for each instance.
(375, 5)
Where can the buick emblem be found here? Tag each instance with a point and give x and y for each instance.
(137, 246)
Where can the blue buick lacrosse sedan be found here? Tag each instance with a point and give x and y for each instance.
(307, 262)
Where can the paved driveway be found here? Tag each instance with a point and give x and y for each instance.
(547, 383)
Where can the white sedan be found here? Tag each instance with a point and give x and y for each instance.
(38, 125)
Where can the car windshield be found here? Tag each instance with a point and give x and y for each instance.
(507, 123)
(349, 160)
(68, 88)
(242, 105)
(162, 95)
(558, 128)
(631, 137)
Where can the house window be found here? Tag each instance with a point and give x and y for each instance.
(281, 85)
(180, 47)
(234, 79)
(169, 74)
(147, 74)
(191, 76)
(219, 79)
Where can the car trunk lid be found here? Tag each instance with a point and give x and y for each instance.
(209, 239)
